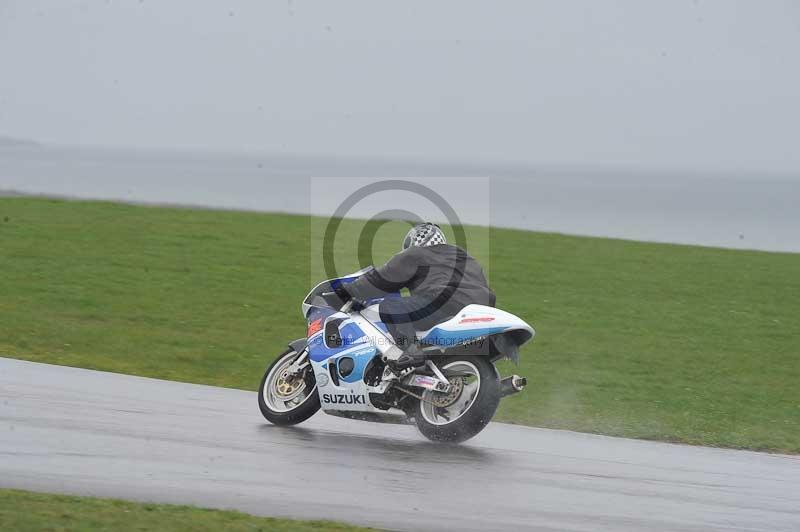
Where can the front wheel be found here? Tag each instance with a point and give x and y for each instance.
(465, 410)
(285, 399)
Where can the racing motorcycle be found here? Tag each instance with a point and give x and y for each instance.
(340, 368)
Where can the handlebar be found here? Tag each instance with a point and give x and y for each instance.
(331, 295)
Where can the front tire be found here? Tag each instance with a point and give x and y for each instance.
(473, 400)
(287, 401)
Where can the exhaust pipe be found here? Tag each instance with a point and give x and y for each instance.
(511, 385)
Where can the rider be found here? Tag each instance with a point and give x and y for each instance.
(442, 280)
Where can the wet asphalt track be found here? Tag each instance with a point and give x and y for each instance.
(85, 432)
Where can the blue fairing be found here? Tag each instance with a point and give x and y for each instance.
(361, 359)
(444, 338)
(352, 346)
(335, 283)
(352, 336)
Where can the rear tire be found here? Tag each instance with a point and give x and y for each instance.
(297, 410)
(480, 401)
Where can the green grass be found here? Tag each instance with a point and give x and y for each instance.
(654, 341)
(24, 511)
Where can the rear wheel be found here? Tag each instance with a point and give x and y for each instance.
(286, 399)
(465, 410)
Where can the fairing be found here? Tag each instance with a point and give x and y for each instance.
(473, 323)
(349, 392)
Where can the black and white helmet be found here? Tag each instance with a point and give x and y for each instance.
(426, 234)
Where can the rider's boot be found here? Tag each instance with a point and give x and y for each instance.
(412, 357)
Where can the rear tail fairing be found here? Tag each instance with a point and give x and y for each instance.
(474, 324)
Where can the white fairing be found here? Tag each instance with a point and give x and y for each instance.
(363, 338)
(474, 322)
(345, 396)
(351, 393)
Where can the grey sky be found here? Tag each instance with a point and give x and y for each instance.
(673, 84)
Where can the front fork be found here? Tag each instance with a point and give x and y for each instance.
(299, 364)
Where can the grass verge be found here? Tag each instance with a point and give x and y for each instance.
(25, 511)
(666, 342)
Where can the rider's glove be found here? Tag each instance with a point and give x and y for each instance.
(343, 294)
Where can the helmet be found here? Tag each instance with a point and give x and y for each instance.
(425, 234)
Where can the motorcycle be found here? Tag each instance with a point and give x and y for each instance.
(339, 367)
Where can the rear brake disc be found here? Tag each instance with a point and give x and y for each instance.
(445, 399)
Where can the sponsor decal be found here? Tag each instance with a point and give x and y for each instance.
(314, 327)
(322, 379)
(480, 319)
(343, 399)
(424, 380)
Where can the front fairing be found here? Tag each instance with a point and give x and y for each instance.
(314, 298)
(340, 389)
